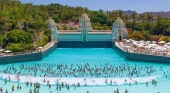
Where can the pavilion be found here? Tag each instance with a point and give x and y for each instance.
(86, 33)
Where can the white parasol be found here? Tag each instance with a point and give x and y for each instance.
(127, 46)
(40, 47)
(161, 42)
(1, 50)
(147, 47)
(7, 51)
(154, 42)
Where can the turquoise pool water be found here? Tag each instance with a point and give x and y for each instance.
(79, 59)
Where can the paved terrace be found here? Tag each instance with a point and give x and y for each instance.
(129, 48)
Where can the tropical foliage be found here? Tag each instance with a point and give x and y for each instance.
(23, 25)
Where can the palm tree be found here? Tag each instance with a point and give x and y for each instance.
(145, 34)
(121, 13)
(111, 15)
(126, 18)
(78, 8)
(142, 18)
(100, 10)
(2, 16)
(2, 5)
(115, 14)
(149, 16)
(158, 23)
(133, 16)
(86, 10)
(107, 13)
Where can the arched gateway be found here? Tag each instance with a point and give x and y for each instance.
(84, 35)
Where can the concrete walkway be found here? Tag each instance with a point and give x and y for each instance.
(48, 45)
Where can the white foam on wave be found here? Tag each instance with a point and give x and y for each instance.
(82, 81)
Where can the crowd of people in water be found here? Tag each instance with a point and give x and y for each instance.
(105, 70)
(102, 70)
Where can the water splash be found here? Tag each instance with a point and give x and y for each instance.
(82, 81)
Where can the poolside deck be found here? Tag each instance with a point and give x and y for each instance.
(134, 50)
(130, 54)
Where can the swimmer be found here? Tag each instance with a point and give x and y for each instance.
(146, 83)
(6, 91)
(34, 90)
(74, 86)
(31, 84)
(130, 84)
(18, 86)
(5, 81)
(18, 79)
(37, 91)
(1, 90)
(49, 85)
(48, 82)
(62, 84)
(44, 80)
(30, 91)
(68, 87)
(117, 90)
(105, 80)
(155, 83)
(12, 88)
(27, 83)
(9, 78)
(78, 84)
(126, 91)
(57, 87)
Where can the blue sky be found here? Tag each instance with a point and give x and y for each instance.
(137, 5)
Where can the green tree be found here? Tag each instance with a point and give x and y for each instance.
(15, 47)
(18, 36)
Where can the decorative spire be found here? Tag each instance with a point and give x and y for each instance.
(51, 22)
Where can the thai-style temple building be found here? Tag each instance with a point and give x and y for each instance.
(86, 33)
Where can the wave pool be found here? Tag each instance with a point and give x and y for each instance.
(76, 70)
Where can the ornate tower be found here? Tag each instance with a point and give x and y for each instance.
(84, 26)
(52, 26)
(84, 23)
(119, 31)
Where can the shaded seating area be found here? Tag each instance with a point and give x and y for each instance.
(160, 48)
